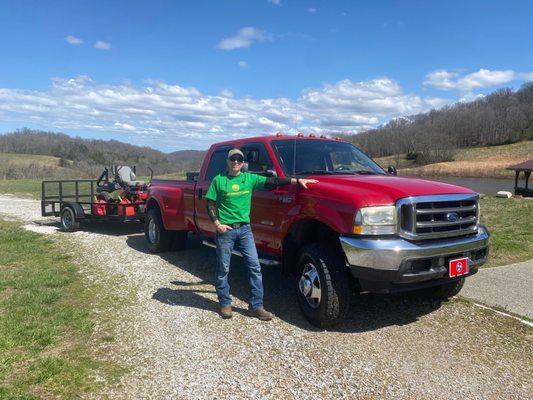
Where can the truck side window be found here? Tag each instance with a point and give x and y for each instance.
(217, 164)
(257, 157)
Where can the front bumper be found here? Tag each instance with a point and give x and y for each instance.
(391, 265)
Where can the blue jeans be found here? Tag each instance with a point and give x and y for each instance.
(241, 239)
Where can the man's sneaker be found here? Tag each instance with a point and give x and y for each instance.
(260, 313)
(226, 312)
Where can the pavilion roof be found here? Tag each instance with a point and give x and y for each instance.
(525, 166)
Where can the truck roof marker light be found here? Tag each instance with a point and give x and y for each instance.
(279, 134)
(312, 135)
(300, 134)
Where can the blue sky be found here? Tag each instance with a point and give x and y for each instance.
(176, 74)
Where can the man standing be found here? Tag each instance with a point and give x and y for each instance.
(228, 205)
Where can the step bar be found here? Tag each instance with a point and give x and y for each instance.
(263, 261)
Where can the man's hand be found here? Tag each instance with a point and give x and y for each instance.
(221, 228)
(305, 182)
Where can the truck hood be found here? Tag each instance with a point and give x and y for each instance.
(366, 190)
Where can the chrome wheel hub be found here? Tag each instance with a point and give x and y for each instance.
(309, 285)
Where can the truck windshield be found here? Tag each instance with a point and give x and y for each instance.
(303, 156)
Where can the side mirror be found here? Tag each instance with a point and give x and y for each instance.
(391, 170)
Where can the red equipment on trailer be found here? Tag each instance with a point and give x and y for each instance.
(121, 198)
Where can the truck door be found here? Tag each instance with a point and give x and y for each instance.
(217, 164)
(268, 206)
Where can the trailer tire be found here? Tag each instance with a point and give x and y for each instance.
(69, 223)
(157, 237)
(323, 285)
(443, 292)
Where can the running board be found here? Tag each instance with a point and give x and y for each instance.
(263, 261)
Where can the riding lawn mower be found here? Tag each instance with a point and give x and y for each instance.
(123, 195)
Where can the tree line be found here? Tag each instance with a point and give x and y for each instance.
(86, 158)
(503, 117)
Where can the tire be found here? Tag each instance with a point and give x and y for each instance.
(157, 237)
(323, 285)
(443, 292)
(68, 220)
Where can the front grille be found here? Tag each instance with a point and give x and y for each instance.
(440, 216)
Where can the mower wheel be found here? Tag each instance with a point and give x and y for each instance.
(68, 220)
(158, 238)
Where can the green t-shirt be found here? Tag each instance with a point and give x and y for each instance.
(233, 195)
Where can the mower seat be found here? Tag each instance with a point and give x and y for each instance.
(126, 176)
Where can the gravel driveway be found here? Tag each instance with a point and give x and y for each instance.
(176, 345)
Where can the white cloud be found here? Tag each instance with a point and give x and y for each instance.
(275, 2)
(311, 10)
(484, 78)
(526, 76)
(243, 64)
(244, 38)
(172, 117)
(226, 93)
(101, 45)
(73, 40)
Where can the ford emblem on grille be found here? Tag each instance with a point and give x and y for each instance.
(452, 217)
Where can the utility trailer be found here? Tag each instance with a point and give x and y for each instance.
(77, 200)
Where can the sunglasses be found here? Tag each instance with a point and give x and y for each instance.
(239, 159)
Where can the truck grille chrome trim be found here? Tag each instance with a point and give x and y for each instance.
(439, 216)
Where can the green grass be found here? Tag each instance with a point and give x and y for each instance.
(45, 324)
(510, 223)
(21, 187)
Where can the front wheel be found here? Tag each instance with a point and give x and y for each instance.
(68, 220)
(158, 238)
(444, 292)
(323, 285)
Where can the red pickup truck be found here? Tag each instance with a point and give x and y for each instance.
(359, 227)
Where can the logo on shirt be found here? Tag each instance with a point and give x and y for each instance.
(235, 187)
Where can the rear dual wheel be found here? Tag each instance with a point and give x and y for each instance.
(158, 238)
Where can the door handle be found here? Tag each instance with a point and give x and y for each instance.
(199, 194)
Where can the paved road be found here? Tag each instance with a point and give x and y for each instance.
(509, 287)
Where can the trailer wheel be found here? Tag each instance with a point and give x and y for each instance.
(443, 292)
(68, 220)
(323, 285)
(158, 238)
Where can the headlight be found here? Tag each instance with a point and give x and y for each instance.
(375, 221)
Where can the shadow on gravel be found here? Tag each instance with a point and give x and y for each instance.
(368, 312)
(112, 228)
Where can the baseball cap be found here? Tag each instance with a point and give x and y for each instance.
(232, 152)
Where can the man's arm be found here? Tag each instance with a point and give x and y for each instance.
(273, 182)
(213, 216)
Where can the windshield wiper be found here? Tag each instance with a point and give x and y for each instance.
(365, 172)
(314, 172)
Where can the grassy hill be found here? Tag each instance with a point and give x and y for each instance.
(487, 162)
(28, 154)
